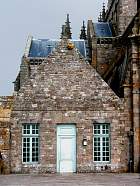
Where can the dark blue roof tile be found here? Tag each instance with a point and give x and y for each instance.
(43, 47)
(102, 29)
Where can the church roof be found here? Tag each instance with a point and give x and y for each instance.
(44, 47)
(102, 29)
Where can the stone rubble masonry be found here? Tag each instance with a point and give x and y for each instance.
(5, 111)
(5, 147)
(122, 13)
(5, 108)
(66, 89)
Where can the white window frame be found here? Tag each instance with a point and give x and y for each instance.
(100, 135)
(30, 135)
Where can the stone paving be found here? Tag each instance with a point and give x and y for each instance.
(71, 180)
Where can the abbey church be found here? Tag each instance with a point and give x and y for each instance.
(76, 103)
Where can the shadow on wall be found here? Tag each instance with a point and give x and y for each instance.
(1, 164)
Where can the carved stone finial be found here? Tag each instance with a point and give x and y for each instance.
(103, 13)
(83, 32)
(68, 28)
(100, 17)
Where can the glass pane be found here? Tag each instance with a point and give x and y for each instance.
(104, 144)
(107, 138)
(95, 148)
(107, 153)
(107, 158)
(28, 131)
(95, 153)
(107, 143)
(107, 148)
(28, 149)
(35, 149)
(24, 149)
(104, 139)
(104, 131)
(107, 131)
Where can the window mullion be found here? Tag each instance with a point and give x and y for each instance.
(101, 148)
(30, 129)
(30, 149)
(101, 143)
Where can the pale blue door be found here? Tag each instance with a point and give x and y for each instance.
(66, 148)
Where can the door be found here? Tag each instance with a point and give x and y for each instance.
(66, 148)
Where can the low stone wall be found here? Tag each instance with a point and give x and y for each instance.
(5, 107)
(5, 147)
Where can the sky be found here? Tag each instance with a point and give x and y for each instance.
(40, 18)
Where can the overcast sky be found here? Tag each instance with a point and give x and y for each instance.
(41, 19)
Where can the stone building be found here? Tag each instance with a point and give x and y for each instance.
(114, 44)
(60, 106)
(76, 102)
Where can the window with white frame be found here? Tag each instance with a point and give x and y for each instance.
(101, 142)
(30, 143)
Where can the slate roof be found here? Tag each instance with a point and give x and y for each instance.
(102, 29)
(43, 47)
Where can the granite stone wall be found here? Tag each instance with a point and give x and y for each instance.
(5, 147)
(5, 111)
(66, 89)
(121, 13)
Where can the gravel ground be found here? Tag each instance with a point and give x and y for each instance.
(71, 180)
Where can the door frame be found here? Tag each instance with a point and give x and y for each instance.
(75, 149)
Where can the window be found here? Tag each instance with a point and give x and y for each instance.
(30, 143)
(101, 145)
